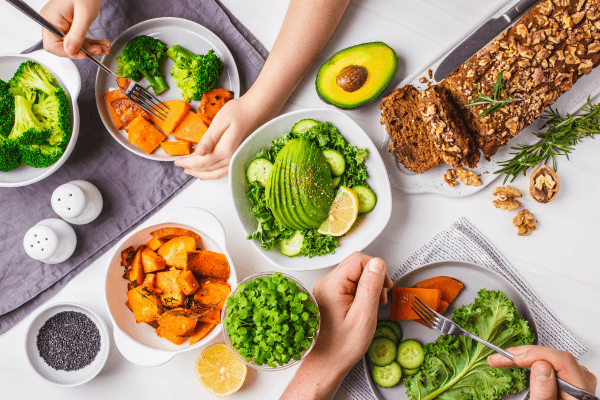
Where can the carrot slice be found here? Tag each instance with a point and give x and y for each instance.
(403, 298)
(177, 148)
(177, 111)
(191, 128)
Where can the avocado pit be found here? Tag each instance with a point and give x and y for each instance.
(351, 78)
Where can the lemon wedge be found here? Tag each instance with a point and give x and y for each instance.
(342, 214)
(219, 371)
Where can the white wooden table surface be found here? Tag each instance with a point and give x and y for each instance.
(560, 260)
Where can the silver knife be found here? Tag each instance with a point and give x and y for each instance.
(482, 36)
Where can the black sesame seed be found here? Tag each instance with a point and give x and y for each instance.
(68, 341)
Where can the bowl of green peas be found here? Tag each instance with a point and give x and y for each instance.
(271, 321)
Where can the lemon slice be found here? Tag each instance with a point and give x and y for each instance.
(219, 371)
(342, 214)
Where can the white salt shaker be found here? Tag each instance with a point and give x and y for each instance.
(77, 202)
(51, 241)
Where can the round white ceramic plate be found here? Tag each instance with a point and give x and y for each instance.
(64, 378)
(474, 278)
(171, 31)
(67, 75)
(366, 230)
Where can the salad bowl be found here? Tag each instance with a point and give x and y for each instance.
(361, 235)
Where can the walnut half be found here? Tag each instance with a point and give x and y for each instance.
(450, 177)
(468, 177)
(525, 222)
(543, 184)
(505, 198)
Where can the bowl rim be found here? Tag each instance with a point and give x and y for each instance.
(266, 367)
(375, 155)
(43, 57)
(102, 328)
(167, 220)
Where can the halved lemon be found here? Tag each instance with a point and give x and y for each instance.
(342, 214)
(219, 371)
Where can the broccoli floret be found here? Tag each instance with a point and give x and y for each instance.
(40, 156)
(7, 110)
(54, 113)
(9, 155)
(27, 128)
(142, 56)
(194, 74)
(31, 77)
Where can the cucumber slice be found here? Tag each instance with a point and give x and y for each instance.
(336, 182)
(395, 327)
(259, 170)
(366, 198)
(386, 332)
(387, 376)
(292, 246)
(382, 352)
(336, 162)
(304, 125)
(410, 372)
(410, 354)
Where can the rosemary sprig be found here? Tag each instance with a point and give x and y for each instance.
(562, 135)
(499, 98)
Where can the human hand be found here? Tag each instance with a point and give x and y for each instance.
(231, 126)
(546, 364)
(73, 17)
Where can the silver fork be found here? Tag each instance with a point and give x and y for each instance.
(438, 322)
(134, 91)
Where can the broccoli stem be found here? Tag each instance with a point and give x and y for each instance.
(177, 53)
(157, 82)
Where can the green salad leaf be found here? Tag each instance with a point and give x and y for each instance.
(269, 232)
(456, 367)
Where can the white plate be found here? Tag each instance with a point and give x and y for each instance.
(367, 230)
(474, 278)
(138, 342)
(67, 75)
(171, 31)
(432, 181)
(65, 378)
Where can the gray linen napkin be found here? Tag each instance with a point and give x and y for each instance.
(133, 187)
(463, 242)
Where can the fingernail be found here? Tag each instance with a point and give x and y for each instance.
(542, 372)
(376, 265)
(495, 357)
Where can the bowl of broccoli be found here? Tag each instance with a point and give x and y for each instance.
(39, 117)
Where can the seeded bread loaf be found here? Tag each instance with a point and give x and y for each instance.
(410, 140)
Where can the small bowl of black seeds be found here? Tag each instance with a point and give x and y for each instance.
(67, 344)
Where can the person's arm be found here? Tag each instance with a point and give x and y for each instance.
(546, 365)
(307, 26)
(348, 299)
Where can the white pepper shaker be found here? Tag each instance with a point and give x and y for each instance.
(51, 241)
(77, 202)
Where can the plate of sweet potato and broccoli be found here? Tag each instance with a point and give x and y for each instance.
(185, 66)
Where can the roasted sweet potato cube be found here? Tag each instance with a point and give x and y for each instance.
(191, 128)
(208, 263)
(136, 273)
(207, 315)
(150, 282)
(153, 324)
(166, 281)
(161, 332)
(177, 322)
(144, 135)
(144, 304)
(170, 233)
(175, 251)
(182, 148)
(155, 244)
(187, 282)
(152, 261)
(212, 293)
(128, 305)
(127, 256)
(202, 328)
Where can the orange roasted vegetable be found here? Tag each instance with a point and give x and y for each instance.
(403, 298)
(208, 263)
(202, 328)
(127, 256)
(155, 244)
(212, 293)
(213, 101)
(152, 262)
(136, 273)
(162, 332)
(166, 281)
(191, 128)
(208, 315)
(170, 233)
(177, 322)
(187, 282)
(144, 304)
(449, 287)
(127, 111)
(144, 135)
(177, 148)
(113, 113)
(175, 251)
(177, 111)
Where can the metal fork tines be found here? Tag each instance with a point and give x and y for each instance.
(438, 322)
(143, 98)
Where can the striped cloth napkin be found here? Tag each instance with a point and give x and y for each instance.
(463, 242)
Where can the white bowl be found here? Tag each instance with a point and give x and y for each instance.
(67, 75)
(138, 342)
(362, 235)
(65, 378)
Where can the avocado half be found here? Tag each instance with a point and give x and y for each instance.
(356, 75)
